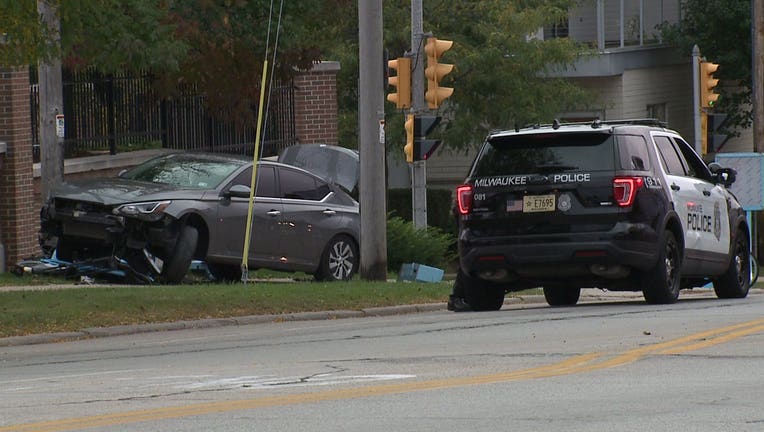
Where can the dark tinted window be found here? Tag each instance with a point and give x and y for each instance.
(266, 181)
(299, 185)
(671, 161)
(529, 154)
(632, 152)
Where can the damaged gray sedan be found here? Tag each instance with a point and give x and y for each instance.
(158, 217)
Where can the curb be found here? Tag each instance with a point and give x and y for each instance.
(587, 296)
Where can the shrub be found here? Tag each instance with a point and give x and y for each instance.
(407, 244)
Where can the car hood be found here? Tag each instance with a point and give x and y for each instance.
(112, 191)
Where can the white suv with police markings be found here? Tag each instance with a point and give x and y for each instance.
(622, 205)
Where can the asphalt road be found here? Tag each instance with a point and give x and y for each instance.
(612, 364)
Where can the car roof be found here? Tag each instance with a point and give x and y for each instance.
(596, 126)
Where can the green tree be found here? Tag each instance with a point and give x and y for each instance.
(502, 76)
(217, 46)
(722, 31)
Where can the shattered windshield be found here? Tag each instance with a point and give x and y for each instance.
(186, 171)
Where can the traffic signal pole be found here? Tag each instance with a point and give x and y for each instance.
(696, 99)
(418, 168)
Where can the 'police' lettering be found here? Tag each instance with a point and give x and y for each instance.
(571, 178)
(699, 222)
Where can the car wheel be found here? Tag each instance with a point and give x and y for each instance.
(480, 295)
(225, 272)
(339, 261)
(736, 281)
(560, 295)
(660, 285)
(176, 266)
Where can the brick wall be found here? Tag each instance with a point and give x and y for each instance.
(19, 219)
(316, 104)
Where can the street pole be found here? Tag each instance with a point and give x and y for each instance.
(371, 118)
(696, 98)
(418, 168)
(51, 110)
(757, 86)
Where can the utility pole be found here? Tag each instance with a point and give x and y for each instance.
(418, 168)
(757, 87)
(696, 98)
(371, 118)
(51, 109)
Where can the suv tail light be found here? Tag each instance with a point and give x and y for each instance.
(464, 199)
(625, 189)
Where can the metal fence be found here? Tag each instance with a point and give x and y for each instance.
(120, 112)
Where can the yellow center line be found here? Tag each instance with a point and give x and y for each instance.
(577, 364)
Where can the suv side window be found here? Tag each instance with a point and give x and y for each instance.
(632, 152)
(695, 165)
(671, 160)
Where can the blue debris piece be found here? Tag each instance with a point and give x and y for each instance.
(420, 273)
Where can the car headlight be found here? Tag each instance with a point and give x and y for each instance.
(147, 211)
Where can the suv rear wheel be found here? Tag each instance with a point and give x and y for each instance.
(561, 295)
(480, 295)
(660, 285)
(735, 282)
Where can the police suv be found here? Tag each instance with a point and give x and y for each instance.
(618, 205)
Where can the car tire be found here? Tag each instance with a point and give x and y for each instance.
(736, 281)
(225, 272)
(560, 295)
(176, 266)
(660, 285)
(339, 261)
(480, 295)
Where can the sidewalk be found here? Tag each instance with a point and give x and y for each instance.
(588, 295)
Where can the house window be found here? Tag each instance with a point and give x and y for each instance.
(558, 30)
(657, 111)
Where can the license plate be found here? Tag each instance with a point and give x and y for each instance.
(538, 203)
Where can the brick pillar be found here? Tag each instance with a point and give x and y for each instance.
(315, 101)
(19, 217)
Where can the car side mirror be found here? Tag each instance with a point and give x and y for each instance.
(725, 176)
(238, 191)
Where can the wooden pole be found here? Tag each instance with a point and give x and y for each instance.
(51, 119)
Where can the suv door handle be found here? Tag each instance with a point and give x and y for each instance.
(330, 212)
(707, 192)
(675, 186)
(273, 213)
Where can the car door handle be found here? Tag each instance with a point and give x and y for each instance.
(330, 212)
(707, 192)
(273, 213)
(675, 186)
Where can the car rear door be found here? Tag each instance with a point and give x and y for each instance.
(700, 203)
(310, 220)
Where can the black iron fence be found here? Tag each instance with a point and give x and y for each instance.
(120, 112)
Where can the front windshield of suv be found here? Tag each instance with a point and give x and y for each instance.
(185, 171)
(546, 153)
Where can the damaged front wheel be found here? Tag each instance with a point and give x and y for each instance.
(176, 266)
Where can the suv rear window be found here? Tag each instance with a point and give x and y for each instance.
(632, 150)
(544, 153)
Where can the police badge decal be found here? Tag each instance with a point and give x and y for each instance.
(717, 221)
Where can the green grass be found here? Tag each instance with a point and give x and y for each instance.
(61, 310)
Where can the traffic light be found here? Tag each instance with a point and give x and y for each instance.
(408, 149)
(712, 140)
(435, 71)
(707, 84)
(424, 147)
(401, 81)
